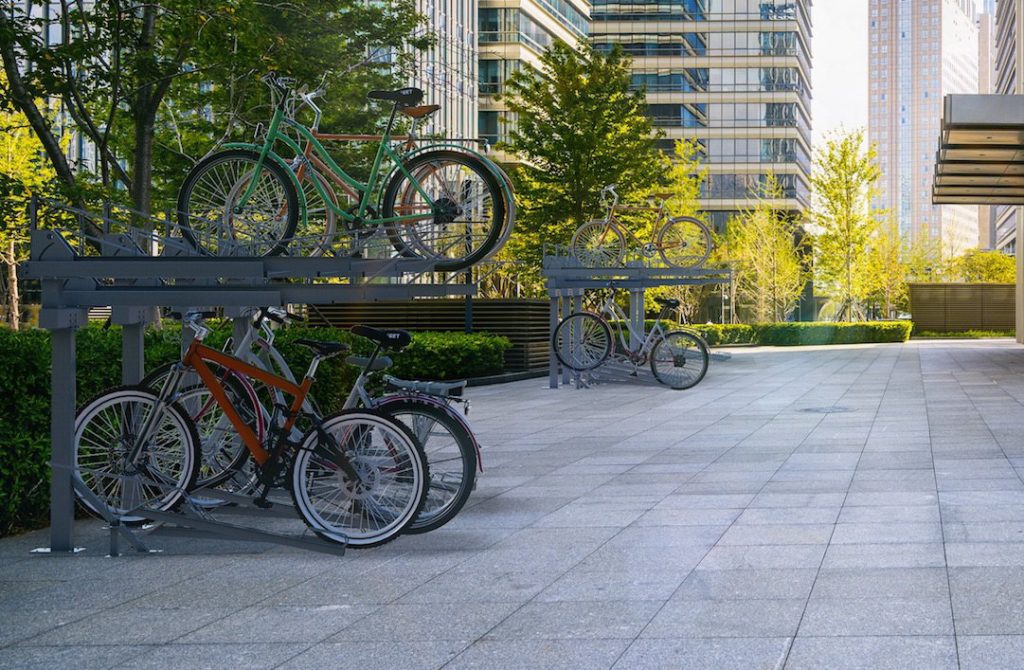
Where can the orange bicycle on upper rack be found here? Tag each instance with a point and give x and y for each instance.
(356, 477)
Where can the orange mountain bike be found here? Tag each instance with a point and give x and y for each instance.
(356, 477)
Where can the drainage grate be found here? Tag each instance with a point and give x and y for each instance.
(834, 409)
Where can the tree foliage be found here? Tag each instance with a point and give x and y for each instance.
(984, 267)
(24, 172)
(686, 177)
(844, 179)
(769, 273)
(154, 86)
(578, 127)
(884, 280)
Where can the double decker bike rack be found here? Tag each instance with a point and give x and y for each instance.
(135, 264)
(568, 281)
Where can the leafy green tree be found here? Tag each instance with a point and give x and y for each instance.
(886, 269)
(769, 273)
(844, 179)
(578, 128)
(166, 81)
(686, 177)
(985, 267)
(24, 172)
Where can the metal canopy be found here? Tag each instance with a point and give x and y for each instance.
(980, 160)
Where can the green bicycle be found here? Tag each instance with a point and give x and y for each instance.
(439, 202)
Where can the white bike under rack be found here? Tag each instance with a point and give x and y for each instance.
(568, 281)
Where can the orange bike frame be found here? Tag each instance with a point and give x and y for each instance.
(196, 357)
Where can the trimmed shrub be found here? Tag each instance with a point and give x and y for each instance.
(25, 360)
(717, 334)
(823, 332)
(961, 334)
(792, 334)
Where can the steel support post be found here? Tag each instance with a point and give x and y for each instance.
(133, 361)
(636, 318)
(552, 324)
(566, 311)
(62, 439)
(239, 329)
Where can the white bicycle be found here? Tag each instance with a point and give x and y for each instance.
(584, 341)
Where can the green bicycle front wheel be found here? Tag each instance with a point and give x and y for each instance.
(460, 220)
(213, 219)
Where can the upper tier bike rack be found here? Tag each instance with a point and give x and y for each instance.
(568, 280)
(135, 264)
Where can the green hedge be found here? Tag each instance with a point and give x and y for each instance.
(718, 334)
(798, 333)
(823, 332)
(25, 360)
(962, 334)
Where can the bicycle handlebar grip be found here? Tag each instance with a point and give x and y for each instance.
(267, 314)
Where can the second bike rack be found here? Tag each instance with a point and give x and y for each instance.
(568, 281)
(137, 270)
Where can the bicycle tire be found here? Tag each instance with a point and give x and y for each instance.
(684, 242)
(109, 437)
(608, 253)
(451, 454)
(421, 240)
(214, 469)
(582, 341)
(395, 474)
(215, 213)
(679, 360)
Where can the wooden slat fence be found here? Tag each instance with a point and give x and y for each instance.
(959, 307)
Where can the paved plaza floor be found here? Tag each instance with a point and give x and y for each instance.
(825, 507)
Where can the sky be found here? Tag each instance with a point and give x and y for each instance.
(840, 72)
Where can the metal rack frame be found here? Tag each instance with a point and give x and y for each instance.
(126, 276)
(568, 281)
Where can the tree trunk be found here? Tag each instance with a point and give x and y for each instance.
(142, 164)
(23, 100)
(144, 112)
(13, 297)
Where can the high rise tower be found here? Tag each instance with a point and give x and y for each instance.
(447, 70)
(732, 74)
(919, 51)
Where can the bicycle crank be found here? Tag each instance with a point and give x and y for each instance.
(648, 250)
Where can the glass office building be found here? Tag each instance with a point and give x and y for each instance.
(447, 70)
(1008, 48)
(734, 75)
(919, 52)
(513, 34)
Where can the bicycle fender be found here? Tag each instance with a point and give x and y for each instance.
(458, 416)
(283, 163)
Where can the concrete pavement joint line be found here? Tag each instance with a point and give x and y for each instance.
(817, 573)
